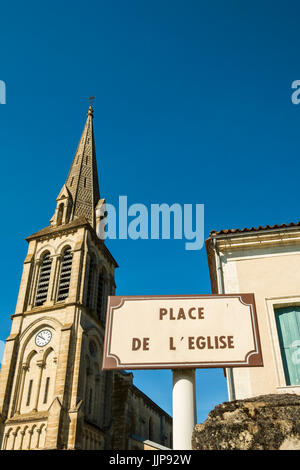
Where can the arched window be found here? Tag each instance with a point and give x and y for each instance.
(47, 380)
(42, 438)
(88, 383)
(97, 394)
(44, 278)
(27, 386)
(29, 392)
(65, 275)
(90, 403)
(90, 293)
(60, 213)
(106, 293)
(100, 295)
(46, 390)
(68, 214)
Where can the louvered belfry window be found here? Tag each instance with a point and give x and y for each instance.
(65, 275)
(44, 278)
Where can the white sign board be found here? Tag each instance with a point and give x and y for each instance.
(155, 332)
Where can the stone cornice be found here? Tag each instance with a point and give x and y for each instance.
(49, 233)
(55, 307)
(28, 417)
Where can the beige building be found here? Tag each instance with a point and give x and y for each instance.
(264, 261)
(53, 393)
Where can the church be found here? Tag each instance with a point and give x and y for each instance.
(53, 392)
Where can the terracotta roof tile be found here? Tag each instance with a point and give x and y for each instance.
(254, 229)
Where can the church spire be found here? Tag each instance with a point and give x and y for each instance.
(80, 193)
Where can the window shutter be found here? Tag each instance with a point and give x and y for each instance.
(288, 326)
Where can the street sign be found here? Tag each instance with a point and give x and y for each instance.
(169, 332)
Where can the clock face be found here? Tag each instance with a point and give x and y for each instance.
(43, 338)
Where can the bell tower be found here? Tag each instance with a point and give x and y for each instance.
(53, 393)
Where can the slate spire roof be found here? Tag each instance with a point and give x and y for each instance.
(82, 181)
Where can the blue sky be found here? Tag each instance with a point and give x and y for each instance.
(193, 105)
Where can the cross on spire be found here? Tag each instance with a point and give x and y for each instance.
(91, 98)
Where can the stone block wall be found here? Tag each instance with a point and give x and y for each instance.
(266, 422)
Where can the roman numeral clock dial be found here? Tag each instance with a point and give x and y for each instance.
(43, 338)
